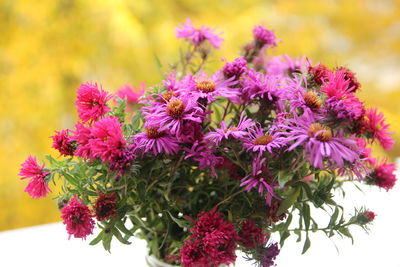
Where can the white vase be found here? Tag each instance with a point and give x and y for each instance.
(154, 262)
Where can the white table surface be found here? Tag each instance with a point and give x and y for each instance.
(48, 245)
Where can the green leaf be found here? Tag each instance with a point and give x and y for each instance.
(289, 201)
(284, 176)
(119, 236)
(284, 236)
(121, 226)
(53, 163)
(307, 244)
(180, 222)
(107, 241)
(98, 238)
(334, 217)
(71, 179)
(345, 231)
(306, 216)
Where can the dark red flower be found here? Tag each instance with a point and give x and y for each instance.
(383, 176)
(354, 85)
(63, 143)
(250, 235)
(319, 73)
(105, 206)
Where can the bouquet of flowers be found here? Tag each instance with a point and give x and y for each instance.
(206, 164)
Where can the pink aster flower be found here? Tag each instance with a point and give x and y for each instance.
(260, 177)
(285, 66)
(77, 218)
(131, 95)
(374, 123)
(369, 215)
(300, 98)
(37, 186)
(107, 141)
(82, 135)
(259, 142)
(336, 85)
(264, 37)
(210, 233)
(172, 115)
(383, 175)
(204, 153)
(345, 110)
(351, 77)
(319, 141)
(236, 132)
(209, 88)
(257, 84)
(198, 36)
(91, 102)
(235, 68)
(63, 143)
(156, 141)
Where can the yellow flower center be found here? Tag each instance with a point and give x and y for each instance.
(205, 85)
(153, 133)
(175, 108)
(263, 140)
(168, 95)
(324, 132)
(312, 100)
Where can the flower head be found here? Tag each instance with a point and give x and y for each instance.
(131, 95)
(82, 135)
(383, 175)
(63, 143)
(336, 85)
(91, 102)
(268, 255)
(250, 235)
(285, 66)
(212, 242)
(77, 218)
(351, 77)
(156, 141)
(374, 123)
(259, 142)
(235, 68)
(107, 141)
(264, 37)
(37, 186)
(198, 36)
(319, 73)
(260, 177)
(105, 206)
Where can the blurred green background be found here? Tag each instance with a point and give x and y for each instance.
(49, 47)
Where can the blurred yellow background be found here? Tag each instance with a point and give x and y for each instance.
(49, 47)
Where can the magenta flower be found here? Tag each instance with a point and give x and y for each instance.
(204, 153)
(374, 123)
(63, 143)
(210, 234)
(351, 77)
(156, 141)
(264, 37)
(235, 68)
(285, 66)
(37, 186)
(319, 141)
(198, 36)
(257, 84)
(236, 132)
(82, 135)
(259, 142)
(269, 254)
(260, 177)
(383, 175)
(77, 218)
(131, 95)
(172, 115)
(251, 235)
(300, 98)
(336, 85)
(91, 102)
(107, 141)
(319, 74)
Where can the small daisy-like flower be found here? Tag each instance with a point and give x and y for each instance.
(156, 141)
(197, 36)
(259, 142)
(264, 37)
(235, 68)
(285, 66)
(383, 175)
(319, 73)
(107, 141)
(131, 95)
(236, 132)
(82, 135)
(319, 141)
(91, 102)
(77, 218)
(336, 85)
(257, 84)
(351, 77)
(105, 206)
(209, 88)
(172, 115)
(374, 123)
(260, 177)
(37, 186)
(347, 109)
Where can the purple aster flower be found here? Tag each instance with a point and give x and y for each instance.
(268, 255)
(260, 177)
(123, 161)
(238, 132)
(348, 109)
(191, 131)
(197, 36)
(156, 141)
(300, 98)
(209, 88)
(256, 84)
(319, 141)
(264, 37)
(204, 153)
(172, 115)
(284, 66)
(258, 141)
(235, 68)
